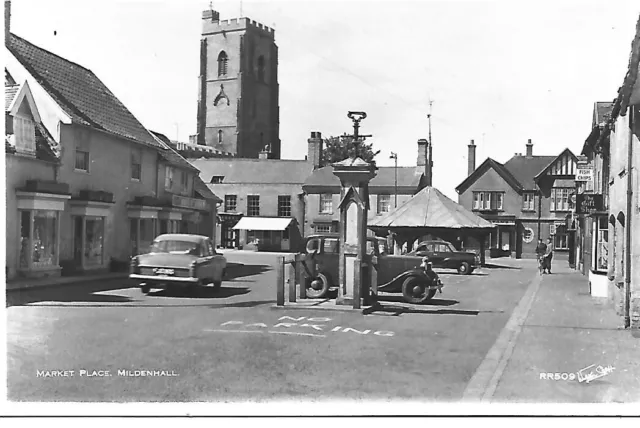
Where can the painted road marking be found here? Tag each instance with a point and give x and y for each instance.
(233, 331)
(305, 323)
(485, 380)
(295, 333)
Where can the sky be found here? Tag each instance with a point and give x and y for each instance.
(496, 72)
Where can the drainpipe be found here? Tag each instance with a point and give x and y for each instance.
(627, 280)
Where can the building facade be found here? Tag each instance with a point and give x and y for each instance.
(98, 187)
(391, 187)
(238, 109)
(528, 198)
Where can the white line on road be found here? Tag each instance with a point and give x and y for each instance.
(234, 331)
(293, 333)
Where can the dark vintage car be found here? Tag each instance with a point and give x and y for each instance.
(406, 274)
(179, 259)
(443, 255)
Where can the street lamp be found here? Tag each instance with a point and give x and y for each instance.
(394, 156)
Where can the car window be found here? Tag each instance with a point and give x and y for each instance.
(331, 246)
(175, 247)
(370, 247)
(212, 250)
(422, 249)
(382, 246)
(206, 249)
(431, 248)
(445, 248)
(313, 245)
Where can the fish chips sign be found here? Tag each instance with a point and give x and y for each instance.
(588, 203)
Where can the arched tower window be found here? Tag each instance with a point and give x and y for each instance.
(222, 64)
(261, 68)
(220, 136)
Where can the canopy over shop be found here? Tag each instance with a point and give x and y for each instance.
(266, 233)
(430, 214)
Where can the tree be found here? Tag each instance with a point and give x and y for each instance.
(337, 149)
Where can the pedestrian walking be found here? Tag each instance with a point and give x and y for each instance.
(548, 256)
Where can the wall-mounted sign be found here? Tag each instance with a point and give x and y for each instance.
(584, 174)
(587, 203)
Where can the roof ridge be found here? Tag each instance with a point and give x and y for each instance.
(50, 53)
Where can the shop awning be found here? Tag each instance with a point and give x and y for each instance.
(262, 223)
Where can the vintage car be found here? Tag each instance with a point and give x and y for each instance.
(179, 259)
(443, 255)
(406, 274)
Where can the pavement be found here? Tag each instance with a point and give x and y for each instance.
(555, 338)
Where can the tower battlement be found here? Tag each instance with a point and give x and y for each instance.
(211, 24)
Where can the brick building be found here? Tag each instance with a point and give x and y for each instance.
(238, 87)
(527, 198)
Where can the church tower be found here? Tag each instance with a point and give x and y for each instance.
(238, 87)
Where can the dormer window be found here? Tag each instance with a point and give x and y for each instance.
(24, 130)
(222, 64)
(217, 179)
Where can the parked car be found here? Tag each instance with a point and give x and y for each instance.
(179, 260)
(443, 255)
(406, 274)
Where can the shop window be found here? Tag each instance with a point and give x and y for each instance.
(326, 203)
(253, 205)
(602, 247)
(230, 203)
(94, 241)
(384, 203)
(82, 160)
(284, 206)
(25, 235)
(38, 239)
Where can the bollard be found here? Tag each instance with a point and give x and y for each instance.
(280, 281)
(373, 278)
(292, 283)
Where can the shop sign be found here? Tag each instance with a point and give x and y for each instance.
(588, 203)
(584, 174)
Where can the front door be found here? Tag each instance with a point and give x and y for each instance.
(229, 238)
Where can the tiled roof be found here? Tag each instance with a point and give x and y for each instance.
(10, 93)
(484, 167)
(385, 176)
(201, 187)
(170, 155)
(524, 169)
(79, 92)
(430, 208)
(265, 171)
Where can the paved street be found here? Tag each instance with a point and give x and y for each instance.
(232, 345)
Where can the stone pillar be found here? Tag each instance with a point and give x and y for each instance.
(355, 175)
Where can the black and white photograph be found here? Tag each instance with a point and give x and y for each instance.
(321, 208)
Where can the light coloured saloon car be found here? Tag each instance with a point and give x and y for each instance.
(179, 260)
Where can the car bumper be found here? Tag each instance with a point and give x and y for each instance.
(157, 279)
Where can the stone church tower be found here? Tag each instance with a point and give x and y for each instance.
(238, 87)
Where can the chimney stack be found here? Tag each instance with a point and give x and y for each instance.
(7, 21)
(529, 148)
(471, 158)
(314, 149)
(423, 157)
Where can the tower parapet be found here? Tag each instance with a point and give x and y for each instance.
(211, 24)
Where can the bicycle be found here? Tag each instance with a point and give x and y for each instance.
(541, 266)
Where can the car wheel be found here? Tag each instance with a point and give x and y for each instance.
(145, 288)
(318, 286)
(464, 268)
(414, 290)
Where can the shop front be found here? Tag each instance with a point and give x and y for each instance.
(89, 224)
(143, 224)
(501, 241)
(39, 241)
(265, 233)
